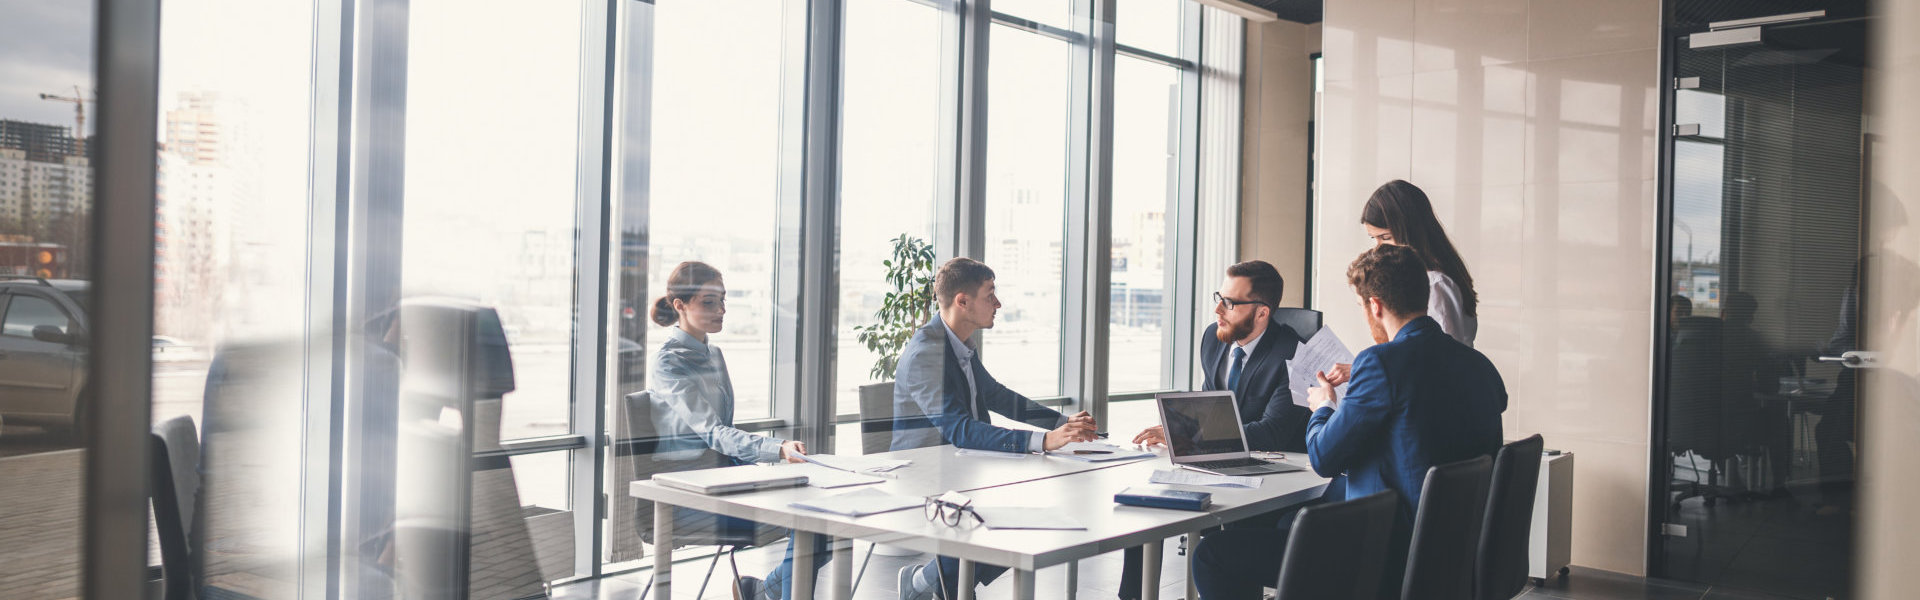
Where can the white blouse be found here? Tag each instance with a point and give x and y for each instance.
(1445, 306)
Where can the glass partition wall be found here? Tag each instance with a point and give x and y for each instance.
(425, 303)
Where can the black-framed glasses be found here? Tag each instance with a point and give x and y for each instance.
(1230, 304)
(950, 513)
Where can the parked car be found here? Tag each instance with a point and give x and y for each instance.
(173, 349)
(43, 351)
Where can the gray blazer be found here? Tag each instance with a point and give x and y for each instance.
(693, 394)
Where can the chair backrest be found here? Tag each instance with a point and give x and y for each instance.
(1508, 527)
(1446, 530)
(1338, 550)
(876, 418)
(649, 452)
(174, 468)
(1304, 321)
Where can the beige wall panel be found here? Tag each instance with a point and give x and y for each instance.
(1535, 136)
(1563, 28)
(1890, 401)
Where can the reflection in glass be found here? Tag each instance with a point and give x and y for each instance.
(490, 217)
(698, 178)
(1027, 124)
(1145, 169)
(890, 157)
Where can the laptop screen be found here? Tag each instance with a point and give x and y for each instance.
(1201, 423)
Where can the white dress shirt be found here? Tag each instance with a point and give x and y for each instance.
(1444, 305)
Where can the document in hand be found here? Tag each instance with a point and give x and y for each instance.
(1312, 356)
(856, 464)
(860, 503)
(1098, 452)
(1027, 517)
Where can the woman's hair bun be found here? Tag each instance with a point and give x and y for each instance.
(663, 313)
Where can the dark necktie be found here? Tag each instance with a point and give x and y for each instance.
(1233, 370)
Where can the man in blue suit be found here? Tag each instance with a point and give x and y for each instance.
(1244, 351)
(1416, 400)
(942, 395)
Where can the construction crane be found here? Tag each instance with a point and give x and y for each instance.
(79, 117)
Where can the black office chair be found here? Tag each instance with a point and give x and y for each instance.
(1338, 550)
(643, 449)
(1303, 321)
(1446, 531)
(174, 466)
(1502, 570)
(876, 418)
(1696, 410)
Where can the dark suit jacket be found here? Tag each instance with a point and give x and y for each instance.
(1421, 400)
(930, 400)
(1267, 412)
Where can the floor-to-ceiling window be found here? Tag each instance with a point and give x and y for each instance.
(894, 104)
(1146, 192)
(408, 254)
(1028, 118)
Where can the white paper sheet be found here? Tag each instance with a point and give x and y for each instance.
(822, 477)
(1097, 452)
(1028, 517)
(989, 453)
(860, 503)
(1186, 477)
(1318, 354)
(856, 464)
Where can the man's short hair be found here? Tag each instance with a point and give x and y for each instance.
(1267, 284)
(960, 275)
(1397, 275)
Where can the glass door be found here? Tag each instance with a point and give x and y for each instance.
(1763, 278)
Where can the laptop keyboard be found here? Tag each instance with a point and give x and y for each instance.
(1230, 463)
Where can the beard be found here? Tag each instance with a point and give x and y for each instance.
(1378, 329)
(1232, 331)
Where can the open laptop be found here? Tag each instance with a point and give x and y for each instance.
(1204, 434)
(729, 480)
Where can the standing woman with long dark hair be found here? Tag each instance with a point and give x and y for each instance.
(1399, 213)
(693, 394)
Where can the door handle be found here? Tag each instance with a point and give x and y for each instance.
(1854, 359)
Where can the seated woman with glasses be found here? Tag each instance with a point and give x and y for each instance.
(693, 397)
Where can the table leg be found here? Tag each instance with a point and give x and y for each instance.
(1150, 570)
(803, 565)
(1022, 584)
(1193, 592)
(662, 550)
(1073, 580)
(843, 569)
(966, 579)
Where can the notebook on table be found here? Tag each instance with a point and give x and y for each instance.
(1204, 434)
(731, 480)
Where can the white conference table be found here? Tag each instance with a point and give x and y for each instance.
(1081, 488)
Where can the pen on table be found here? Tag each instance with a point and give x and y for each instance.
(1093, 452)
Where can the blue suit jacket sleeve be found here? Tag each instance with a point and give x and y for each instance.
(922, 389)
(1336, 439)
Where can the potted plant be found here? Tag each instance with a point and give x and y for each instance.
(907, 306)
